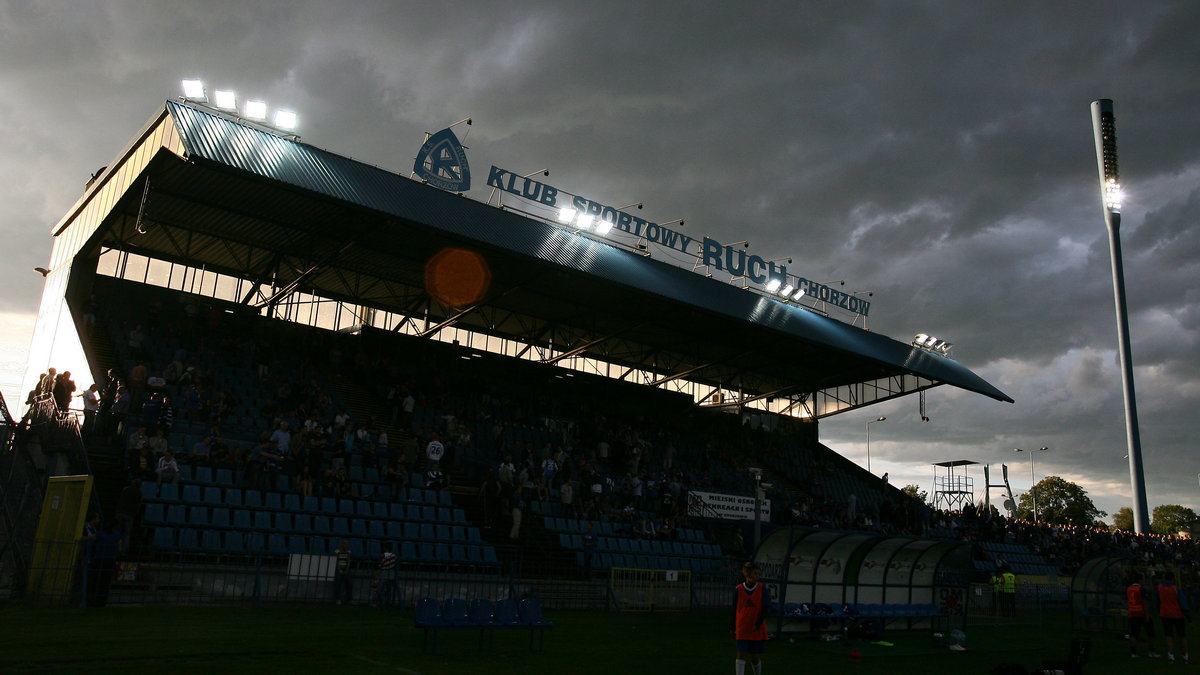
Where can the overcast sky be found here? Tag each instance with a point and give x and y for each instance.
(938, 154)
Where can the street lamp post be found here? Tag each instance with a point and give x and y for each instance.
(1032, 480)
(869, 423)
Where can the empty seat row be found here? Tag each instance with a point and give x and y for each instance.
(179, 515)
(643, 546)
(574, 525)
(604, 561)
(422, 504)
(210, 541)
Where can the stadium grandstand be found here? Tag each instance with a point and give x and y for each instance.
(297, 355)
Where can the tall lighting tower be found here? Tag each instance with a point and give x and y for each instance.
(1105, 130)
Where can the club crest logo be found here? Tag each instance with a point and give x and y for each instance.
(442, 162)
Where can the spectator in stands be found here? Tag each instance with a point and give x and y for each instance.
(151, 411)
(434, 478)
(507, 473)
(156, 443)
(491, 490)
(201, 452)
(304, 481)
(137, 440)
(590, 542)
(166, 418)
(397, 473)
(137, 381)
(342, 590)
(64, 389)
(385, 577)
(517, 505)
(272, 464)
(434, 450)
(45, 385)
(143, 465)
(167, 469)
(282, 438)
(566, 496)
(129, 504)
(91, 407)
(135, 340)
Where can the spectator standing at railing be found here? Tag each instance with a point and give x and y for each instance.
(91, 406)
(64, 389)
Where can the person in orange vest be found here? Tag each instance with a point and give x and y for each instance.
(1172, 610)
(1136, 597)
(750, 602)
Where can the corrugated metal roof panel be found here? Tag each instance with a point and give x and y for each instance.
(217, 139)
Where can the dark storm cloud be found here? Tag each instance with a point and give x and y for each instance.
(938, 154)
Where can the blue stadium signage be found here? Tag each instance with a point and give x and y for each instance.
(442, 162)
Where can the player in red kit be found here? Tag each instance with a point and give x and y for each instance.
(750, 604)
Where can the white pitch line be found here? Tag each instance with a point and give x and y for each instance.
(381, 663)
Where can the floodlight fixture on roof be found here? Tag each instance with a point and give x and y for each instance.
(584, 221)
(566, 214)
(603, 226)
(193, 90)
(285, 120)
(774, 284)
(255, 110)
(799, 294)
(225, 99)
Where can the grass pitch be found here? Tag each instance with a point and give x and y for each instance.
(226, 641)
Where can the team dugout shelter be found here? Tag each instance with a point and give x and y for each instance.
(202, 201)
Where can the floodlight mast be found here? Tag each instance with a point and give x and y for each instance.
(1105, 131)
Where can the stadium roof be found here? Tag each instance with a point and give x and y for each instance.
(245, 201)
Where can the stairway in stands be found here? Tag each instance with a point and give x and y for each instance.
(106, 456)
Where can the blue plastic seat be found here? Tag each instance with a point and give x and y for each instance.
(441, 532)
(262, 521)
(164, 538)
(191, 495)
(273, 501)
(291, 502)
(233, 497)
(482, 612)
(302, 522)
(341, 527)
(198, 516)
(154, 513)
(283, 522)
(506, 613)
(252, 499)
(149, 491)
(456, 612)
(203, 475)
(210, 541)
(408, 551)
(220, 518)
(189, 540)
(426, 532)
(429, 614)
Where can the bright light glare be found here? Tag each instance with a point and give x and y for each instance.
(1113, 195)
(603, 226)
(566, 214)
(773, 285)
(787, 290)
(225, 99)
(799, 294)
(255, 110)
(193, 89)
(584, 221)
(285, 120)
